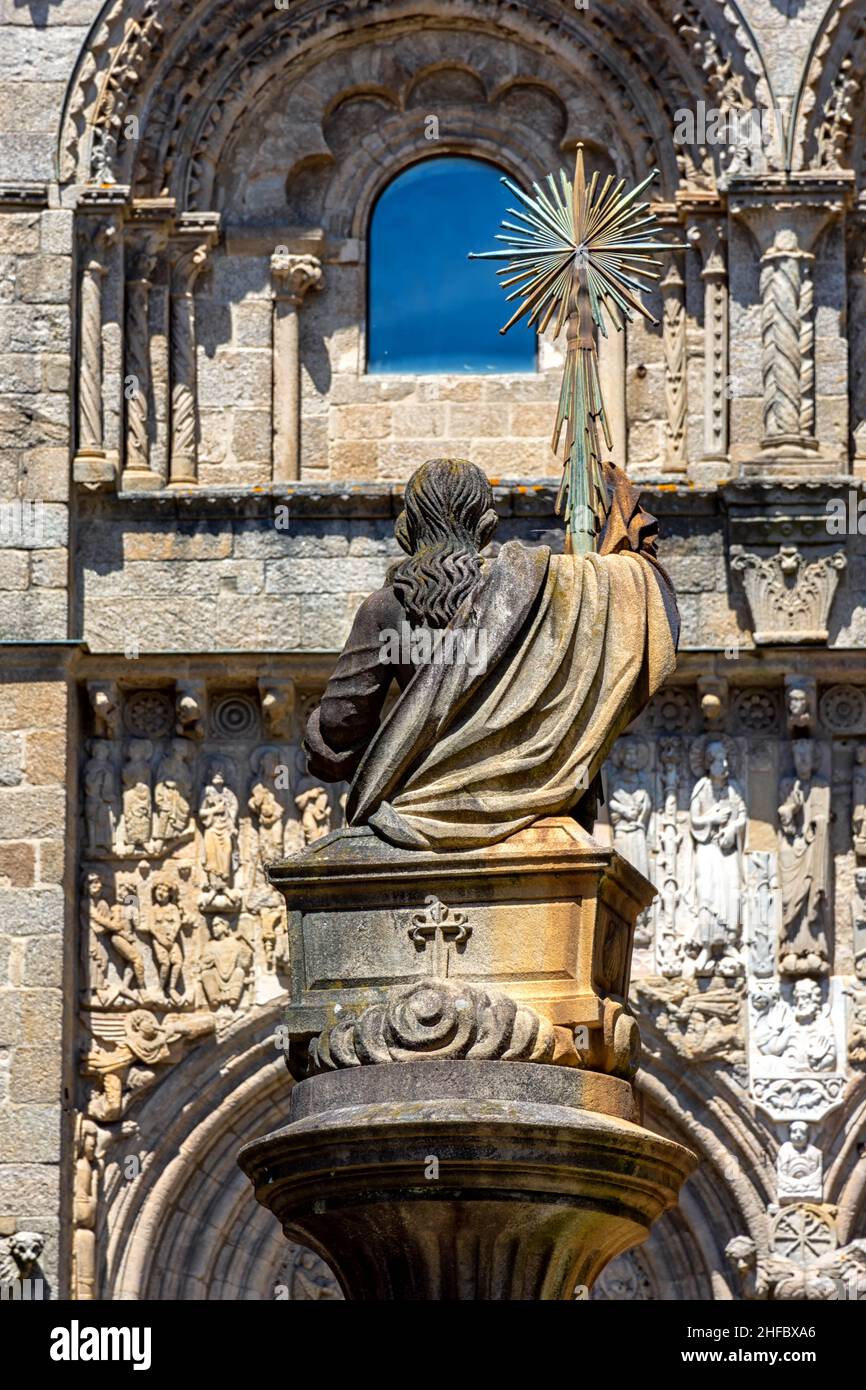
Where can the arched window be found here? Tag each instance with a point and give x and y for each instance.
(430, 308)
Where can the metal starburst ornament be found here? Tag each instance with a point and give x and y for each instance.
(579, 247)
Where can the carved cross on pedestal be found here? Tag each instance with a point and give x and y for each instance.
(442, 928)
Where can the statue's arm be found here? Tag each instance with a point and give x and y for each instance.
(339, 730)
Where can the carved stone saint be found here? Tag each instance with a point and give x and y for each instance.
(137, 796)
(225, 963)
(858, 801)
(85, 1202)
(101, 798)
(717, 819)
(799, 709)
(218, 814)
(796, 1038)
(799, 1167)
(125, 923)
(576, 647)
(173, 795)
(804, 865)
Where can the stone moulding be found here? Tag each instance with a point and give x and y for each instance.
(545, 918)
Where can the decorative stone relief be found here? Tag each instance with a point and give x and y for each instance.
(717, 822)
(802, 1259)
(20, 1260)
(804, 864)
(797, 1045)
(799, 1167)
(180, 931)
(790, 597)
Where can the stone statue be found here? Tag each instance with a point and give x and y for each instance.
(804, 865)
(96, 923)
(173, 795)
(218, 814)
(799, 1167)
(717, 819)
(858, 801)
(166, 921)
(576, 646)
(137, 799)
(85, 1204)
(225, 962)
(101, 798)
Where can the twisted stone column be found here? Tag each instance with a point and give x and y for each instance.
(137, 384)
(90, 454)
(292, 276)
(786, 339)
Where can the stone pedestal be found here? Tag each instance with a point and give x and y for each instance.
(465, 1180)
(464, 1124)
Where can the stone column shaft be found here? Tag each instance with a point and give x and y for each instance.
(292, 277)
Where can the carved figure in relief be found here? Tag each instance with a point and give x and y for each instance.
(314, 805)
(858, 922)
(799, 708)
(127, 1047)
(96, 923)
(630, 806)
(760, 905)
(799, 1167)
(85, 1204)
(267, 810)
(858, 801)
(166, 921)
(218, 814)
(225, 963)
(804, 864)
(717, 819)
(101, 798)
(857, 1029)
(797, 1037)
(125, 923)
(173, 795)
(137, 795)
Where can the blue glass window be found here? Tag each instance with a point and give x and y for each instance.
(430, 308)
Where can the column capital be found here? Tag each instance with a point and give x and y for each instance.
(293, 274)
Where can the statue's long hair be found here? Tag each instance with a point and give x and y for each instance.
(447, 519)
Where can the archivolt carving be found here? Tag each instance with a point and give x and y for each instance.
(829, 98)
(184, 70)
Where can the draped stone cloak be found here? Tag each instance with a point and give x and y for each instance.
(576, 647)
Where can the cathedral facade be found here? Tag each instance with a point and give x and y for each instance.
(201, 468)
